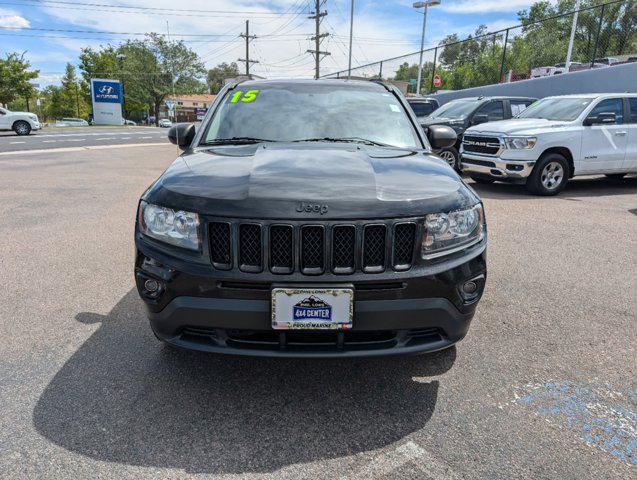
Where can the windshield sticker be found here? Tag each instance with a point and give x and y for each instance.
(247, 97)
(394, 108)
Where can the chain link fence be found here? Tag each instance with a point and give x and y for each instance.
(604, 35)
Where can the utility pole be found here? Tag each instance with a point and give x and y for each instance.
(317, 37)
(351, 36)
(248, 37)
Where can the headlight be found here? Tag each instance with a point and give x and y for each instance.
(450, 232)
(176, 227)
(520, 143)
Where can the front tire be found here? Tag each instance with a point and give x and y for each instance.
(549, 176)
(21, 128)
(451, 156)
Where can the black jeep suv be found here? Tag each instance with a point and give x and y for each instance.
(309, 218)
(465, 112)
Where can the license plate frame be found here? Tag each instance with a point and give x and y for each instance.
(312, 308)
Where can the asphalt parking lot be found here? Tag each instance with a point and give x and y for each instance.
(74, 137)
(544, 385)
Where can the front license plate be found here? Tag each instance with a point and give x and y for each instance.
(312, 308)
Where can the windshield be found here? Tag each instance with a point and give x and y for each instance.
(562, 109)
(310, 111)
(456, 109)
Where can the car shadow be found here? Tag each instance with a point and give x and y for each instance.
(578, 187)
(124, 397)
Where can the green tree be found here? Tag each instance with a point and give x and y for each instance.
(73, 103)
(155, 66)
(15, 77)
(218, 74)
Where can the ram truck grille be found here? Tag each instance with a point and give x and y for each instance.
(481, 145)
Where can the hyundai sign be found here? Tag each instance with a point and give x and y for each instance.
(106, 100)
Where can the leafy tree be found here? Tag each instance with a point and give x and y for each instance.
(15, 76)
(73, 103)
(218, 74)
(155, 66)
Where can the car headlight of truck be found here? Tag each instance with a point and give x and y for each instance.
(520, 143)
(176, 227)
(446, 233)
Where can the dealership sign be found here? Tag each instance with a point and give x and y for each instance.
(200, 113)
(106, 100)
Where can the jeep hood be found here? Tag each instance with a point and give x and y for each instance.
(269, 181)
(518, 126)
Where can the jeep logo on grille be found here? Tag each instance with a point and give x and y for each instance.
(304, 207)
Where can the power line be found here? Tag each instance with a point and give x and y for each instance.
(171, 11)
(318, 36)
(103, 32)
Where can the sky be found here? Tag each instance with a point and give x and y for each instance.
(382, 29)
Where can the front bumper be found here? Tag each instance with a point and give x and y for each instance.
(393, 314)
(36, 125)
(496, 167)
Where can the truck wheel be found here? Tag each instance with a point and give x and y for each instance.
(483, 180)
(21, 127)
(615, 176)
(549, 175)
(451, 156)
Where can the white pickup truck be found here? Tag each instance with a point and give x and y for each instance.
(554, 140)
(22, 123)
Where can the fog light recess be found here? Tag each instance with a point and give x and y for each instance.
(471, 289)
(151, 286)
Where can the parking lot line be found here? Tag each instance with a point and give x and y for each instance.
(12, 143)
(79, 149)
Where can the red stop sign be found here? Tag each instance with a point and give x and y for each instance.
(437, 81)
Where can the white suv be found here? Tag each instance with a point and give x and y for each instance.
(555, 139)
(21, 123)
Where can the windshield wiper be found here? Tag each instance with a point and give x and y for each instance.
(236, 141)
(345, 139)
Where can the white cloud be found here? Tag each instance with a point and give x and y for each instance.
(485, 6)
(10, 19)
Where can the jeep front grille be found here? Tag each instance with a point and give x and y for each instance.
(310, 248)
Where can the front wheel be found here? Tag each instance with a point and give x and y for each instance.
(451, 156)
(549, 176)
(22, 128)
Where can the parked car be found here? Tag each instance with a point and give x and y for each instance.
(165, 123)
(71, 122)
(555, 139)
(128, 122)
(335, 234)
(423, 106)
(462, 113)
(22, 123)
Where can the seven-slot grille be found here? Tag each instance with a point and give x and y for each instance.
(312, 249)
(482, 145)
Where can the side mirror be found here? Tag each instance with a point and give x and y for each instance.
(480, 118)
(182, 135)
(441, 136)
(605, 118)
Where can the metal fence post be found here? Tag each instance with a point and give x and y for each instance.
(433, 71)
(599, 29)
(504, 55)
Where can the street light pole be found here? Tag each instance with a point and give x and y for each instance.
(351, 35)
(570, 43)
(425, 5)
